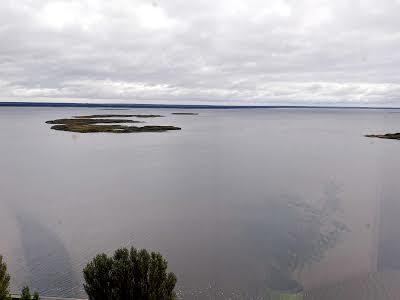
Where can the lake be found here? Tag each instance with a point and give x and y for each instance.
(237, 201)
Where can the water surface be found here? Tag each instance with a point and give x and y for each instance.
(237, 201)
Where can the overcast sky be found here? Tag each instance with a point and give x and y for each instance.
(328, 52)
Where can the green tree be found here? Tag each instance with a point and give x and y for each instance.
(129, 275)
(25, 294)
(36, 296)
(4, 281)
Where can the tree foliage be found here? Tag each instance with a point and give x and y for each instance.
(25, 294)
(36, 296)
(4, 281)
(129, 275)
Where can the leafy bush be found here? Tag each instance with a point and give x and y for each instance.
(4, 281)
(127, 275)
(26, 294)
(36, 296)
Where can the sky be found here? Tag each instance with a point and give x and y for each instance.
(249, 52)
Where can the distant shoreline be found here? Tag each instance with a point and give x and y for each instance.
(175, 106)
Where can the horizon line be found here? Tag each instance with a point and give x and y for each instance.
(186, 106)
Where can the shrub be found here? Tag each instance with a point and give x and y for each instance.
(4, 281)
(25, 294)
(127, 275)
(36, 296)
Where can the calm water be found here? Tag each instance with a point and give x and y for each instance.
(237, 201)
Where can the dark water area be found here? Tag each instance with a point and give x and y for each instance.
(239, 201)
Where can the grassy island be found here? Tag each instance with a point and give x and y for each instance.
(103, 123)
(112, 128)
(184, 113)
(82, 121)
(114, 108)
(118, 116)
(391, 136)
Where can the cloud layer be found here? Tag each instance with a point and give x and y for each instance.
(181, 51)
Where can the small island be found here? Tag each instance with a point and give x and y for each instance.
(102, 123)
(118, 116)
(83, 121)
(114, 109)
(391, 136)
(112, 128)
(184, 113)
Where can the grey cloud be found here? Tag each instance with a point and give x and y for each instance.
(246, 52)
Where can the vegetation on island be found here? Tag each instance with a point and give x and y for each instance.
(82, 121)
(103, 123)
(118, 116)
(129, 274)
(391, 136)
(114, 108)
(111, 128)
(184, 113)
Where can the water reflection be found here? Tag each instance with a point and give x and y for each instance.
(294, 234)
(41, 244)
(378, 278)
